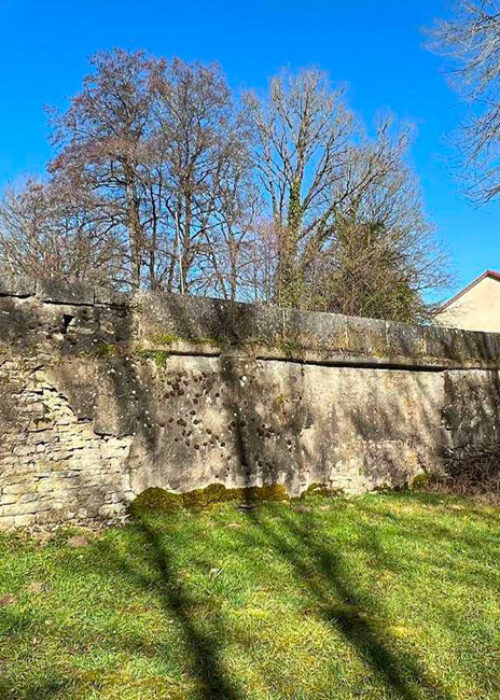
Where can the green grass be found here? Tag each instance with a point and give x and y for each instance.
(382, 596)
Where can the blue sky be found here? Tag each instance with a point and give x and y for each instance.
(373, 46)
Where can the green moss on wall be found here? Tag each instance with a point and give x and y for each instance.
(160, 500)
(422, 481)
(208, 341)
(105, 350)
(162, 338)
(159, 357)
(278, 401)
(167, 339)
(155, 500)
(317, 490)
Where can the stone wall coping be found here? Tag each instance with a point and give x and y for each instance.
(288, 334)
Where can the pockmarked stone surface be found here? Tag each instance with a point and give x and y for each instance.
(103, 395)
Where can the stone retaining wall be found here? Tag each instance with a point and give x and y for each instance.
(104, 395)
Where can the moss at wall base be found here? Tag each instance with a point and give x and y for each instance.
(159, 500)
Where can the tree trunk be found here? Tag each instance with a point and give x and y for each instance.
(133, 223)
(289, 273)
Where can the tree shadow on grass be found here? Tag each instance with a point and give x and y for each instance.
(203, 647)
(44, 690)
(321, 569)
(442, 536)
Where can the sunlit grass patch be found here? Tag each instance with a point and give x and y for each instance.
(381, 596)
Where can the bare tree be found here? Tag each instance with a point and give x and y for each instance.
(49, 231)
(164, 150)
(258, 255)
(102, 142)
(384, 257)
(204, 140)
(330, 190)
(302, 136)
(162, 179)
(472, 40)
(227, 254)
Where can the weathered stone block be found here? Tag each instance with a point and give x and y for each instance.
(59, 292)
(17, 286)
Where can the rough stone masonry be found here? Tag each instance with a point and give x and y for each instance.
(104, 395)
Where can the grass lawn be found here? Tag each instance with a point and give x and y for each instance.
(381, 596)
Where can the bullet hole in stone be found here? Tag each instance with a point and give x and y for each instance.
(196, 421)
(195, 400)
(171, 420)
(222, 444)
(196, 447)
(67, 319)
(192, 413)
(208, 431)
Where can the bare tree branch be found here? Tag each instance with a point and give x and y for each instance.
(472, 41)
